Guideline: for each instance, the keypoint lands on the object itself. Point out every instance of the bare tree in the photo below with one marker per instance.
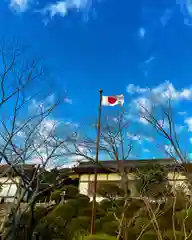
(114, 145)
(27, 130)
(162, 118)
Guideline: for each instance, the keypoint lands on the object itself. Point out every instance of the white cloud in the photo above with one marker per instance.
(71, 164)
(163, 123)
(169, 149)
(182, 113)
(143, 121)
(146, 150)
(148, 100)
(21, 134)
(166, 90)
(42, 105)
(148, 139)
(19, 5)
(61, 7)
(142, 104)
(50, 99)
(134, 137)
(47, 127)
(133, 118)
(142, 32)
(131, 88)
(179, 128)
(139, 137)
(68, 100)
(188, 121)
(186, 93)
(149, 60)
(166, 17)
(158, 95)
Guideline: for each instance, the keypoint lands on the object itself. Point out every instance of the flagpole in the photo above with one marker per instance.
(96, 164)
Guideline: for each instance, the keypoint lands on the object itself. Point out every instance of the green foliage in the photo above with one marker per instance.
(106, 224)
(110, 191)
(83, 200)
(71, 219)
(49, 177)
(169, 235)
(133, 206)
(105, 204)
(149, 235)
(140, 223)
(110, 228)
(99, 237)
(80, 223)
(70, 191)
(65, 211)
(152, 181)
(56, 196)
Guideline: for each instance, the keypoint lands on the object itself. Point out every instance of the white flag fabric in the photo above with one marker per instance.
(113, 100)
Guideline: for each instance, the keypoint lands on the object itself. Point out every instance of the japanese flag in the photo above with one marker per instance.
(113, 100)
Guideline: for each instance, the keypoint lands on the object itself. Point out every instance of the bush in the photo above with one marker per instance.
(110, 191)
(110, 228)
(70, 191)
(65, 211)
(140, 223)
(100, 237)
(56, 196)
(108, 218)
(168, 235)
(105, 204)
(80, 223)
(149, 235)
(83, 200)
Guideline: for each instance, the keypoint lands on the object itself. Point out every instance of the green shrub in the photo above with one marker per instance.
(56, 196)
(110, 228)
(71, 191)
(149, 235)
(80, 223)
(98, 225)
(40, 212)
(65, 211)
(105, 204)
(100, 237)
(107, 218)
(85, 211)
(110, 191)
(83, 200)
(184, 216)
(168, 235)
(140, 223)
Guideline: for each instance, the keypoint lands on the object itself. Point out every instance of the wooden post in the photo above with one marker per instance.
(96, 164)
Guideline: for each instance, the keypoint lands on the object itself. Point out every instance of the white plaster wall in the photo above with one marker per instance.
(175, 179)
(178, 180)
(83, 182)
(83, 188)
(8, 188)
(114, 177)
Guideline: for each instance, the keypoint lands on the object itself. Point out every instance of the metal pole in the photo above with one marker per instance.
(96, 164)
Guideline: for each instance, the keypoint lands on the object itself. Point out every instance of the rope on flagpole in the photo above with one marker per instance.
(96, 164)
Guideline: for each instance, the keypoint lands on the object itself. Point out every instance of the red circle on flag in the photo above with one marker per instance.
(112, 100)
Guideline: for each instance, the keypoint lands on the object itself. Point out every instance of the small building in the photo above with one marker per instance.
(13, 180)
(108, 172)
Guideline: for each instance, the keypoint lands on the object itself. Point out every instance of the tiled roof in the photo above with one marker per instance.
(110, 166)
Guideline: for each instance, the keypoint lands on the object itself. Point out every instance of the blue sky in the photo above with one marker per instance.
(108, 44)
